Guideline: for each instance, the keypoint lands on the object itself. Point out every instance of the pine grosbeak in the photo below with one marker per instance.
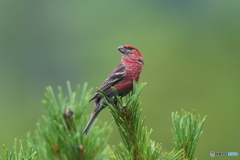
(121, 78)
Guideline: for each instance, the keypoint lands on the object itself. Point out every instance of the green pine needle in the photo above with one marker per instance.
(137, 144)
(14, 154)
(58, 135)
(187, 130)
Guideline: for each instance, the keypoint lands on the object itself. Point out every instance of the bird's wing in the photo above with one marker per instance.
(116, 75)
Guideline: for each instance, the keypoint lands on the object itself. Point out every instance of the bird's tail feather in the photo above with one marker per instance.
(97, 109)
(90, 122)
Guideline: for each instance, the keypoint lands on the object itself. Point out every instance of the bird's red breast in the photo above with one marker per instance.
(132, 73)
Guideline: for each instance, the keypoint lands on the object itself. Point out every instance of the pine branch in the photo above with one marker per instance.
(14, 154)
(135, 136)
(186, 132)
(58, 135)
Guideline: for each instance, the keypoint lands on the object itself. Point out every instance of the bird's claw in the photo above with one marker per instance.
(122, 109)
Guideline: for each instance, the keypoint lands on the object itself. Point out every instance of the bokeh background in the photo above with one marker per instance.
(191, 51)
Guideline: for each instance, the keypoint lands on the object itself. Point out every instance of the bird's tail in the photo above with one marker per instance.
(97, 109)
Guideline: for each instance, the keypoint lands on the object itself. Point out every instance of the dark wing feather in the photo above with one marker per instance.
(116, 75)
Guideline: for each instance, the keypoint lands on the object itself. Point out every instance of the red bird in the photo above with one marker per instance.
(121, 78)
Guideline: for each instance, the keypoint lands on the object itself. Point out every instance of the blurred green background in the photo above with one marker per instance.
(191, 51)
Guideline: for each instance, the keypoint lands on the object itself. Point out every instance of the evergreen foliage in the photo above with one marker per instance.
(58, 135)
(14, 154)
(137, 144)
(187, 130)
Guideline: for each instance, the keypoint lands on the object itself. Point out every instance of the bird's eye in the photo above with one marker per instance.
(130, 48)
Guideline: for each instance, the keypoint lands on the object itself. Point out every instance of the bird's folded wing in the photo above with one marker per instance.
(116, 76)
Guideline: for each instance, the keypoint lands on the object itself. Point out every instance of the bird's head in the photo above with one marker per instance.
(131, 53)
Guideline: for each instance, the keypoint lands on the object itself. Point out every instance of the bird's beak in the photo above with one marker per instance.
(121, 49)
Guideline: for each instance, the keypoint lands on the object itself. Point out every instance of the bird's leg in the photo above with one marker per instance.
(115, 104)
(120, 109)
(124, 108)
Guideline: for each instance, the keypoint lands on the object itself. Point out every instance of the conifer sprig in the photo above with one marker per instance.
(187, 130)
(21, 154)
(137, 144)
(58, 135)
